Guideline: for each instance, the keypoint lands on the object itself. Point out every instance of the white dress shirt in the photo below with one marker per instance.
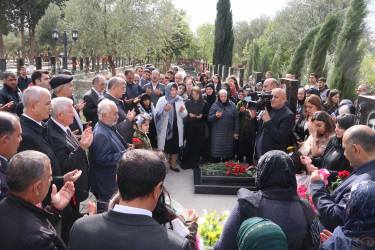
(131, 210)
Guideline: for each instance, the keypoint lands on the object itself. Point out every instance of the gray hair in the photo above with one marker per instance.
(58, 88)
(223, 91)
(7, 123)
(24, 169)
(344, 109)
(104, 106)
(115, 81)
(97, 78)
(136, 76)
(60, 105)
(367, 88)
(7, 74)
(33, 94)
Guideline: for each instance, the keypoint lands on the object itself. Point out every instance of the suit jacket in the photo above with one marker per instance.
(331, 206)
(123, 126)
(154, 97)
(70, 156)
(26, 226)
(7, 94)
(115, 230)
(3, 182)
(277, 131)
(90, 111)
(35, 137)
(105, 152)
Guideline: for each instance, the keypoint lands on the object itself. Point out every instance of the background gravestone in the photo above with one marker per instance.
(365, 113)
(291, 88)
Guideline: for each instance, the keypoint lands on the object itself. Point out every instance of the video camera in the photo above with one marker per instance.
(259, 101)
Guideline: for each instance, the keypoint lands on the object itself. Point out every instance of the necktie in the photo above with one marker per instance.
(122, 140)
(72, 137)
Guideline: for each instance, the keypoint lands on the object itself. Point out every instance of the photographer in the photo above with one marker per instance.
(274, 126)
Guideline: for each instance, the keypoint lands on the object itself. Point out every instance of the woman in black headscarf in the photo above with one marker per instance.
(209, 100)
(276, 200)
(194, 129)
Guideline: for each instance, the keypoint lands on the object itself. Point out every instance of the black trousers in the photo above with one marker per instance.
(68, 220)
(194, 132)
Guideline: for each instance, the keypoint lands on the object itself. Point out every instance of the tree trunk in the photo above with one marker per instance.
(112, 65)
(23, 40)
(32, 44)
(167, 62)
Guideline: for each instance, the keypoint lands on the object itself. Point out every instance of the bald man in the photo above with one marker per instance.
(274, 127)
(359, 149)
(270, 84)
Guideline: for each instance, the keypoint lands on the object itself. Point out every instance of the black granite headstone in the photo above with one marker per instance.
(365, 113)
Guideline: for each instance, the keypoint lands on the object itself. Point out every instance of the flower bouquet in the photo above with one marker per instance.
(342, 175)
(229, 168)
(136, 142)
(303, 192)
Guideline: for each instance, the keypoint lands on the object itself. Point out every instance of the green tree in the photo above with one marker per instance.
(224, 39)
(275, 63)
(322, 43)
(349, 50)
(367, 70)
(299, 56)
(49, 21)
(205, 41)
(256, 57)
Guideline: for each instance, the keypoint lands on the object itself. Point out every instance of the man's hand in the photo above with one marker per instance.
(137, 99)
(297, 117)
(192, 115)
(88, 125)
(75, 132)
(128, 101)
(7, 106)
(253, 113)
(130, 115)
(86, 139)
(242, 109)
(167, 108)
(325, 235)
(236, 136)
(182, 108)
(316, 176)
(218, 114)
(80, 106)
(199, 116)
(72, 176)
(149, 91)
(157, 91)
(61, 199)
(193, 215)
(266, 116)
(91, 207)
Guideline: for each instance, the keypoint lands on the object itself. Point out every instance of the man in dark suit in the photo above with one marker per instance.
(106, 150)
(116, 88)
(37, 107)
(359, 146)
(71, 154)
(10, 138)
(10, 94)
(154, 89)
(62, 86)
(274, 127)
(133, 91)
(91, 98)
(23, 81)
(130, 224)
(24, 224)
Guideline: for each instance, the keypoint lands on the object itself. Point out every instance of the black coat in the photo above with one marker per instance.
(35, 137)
(299, 128)
(7, 94)
(277, 131)
(90, 111)
(70, 157)
(107, 231)
(26, 226)
(223, 129)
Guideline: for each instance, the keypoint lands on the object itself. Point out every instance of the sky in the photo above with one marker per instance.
(204, 11)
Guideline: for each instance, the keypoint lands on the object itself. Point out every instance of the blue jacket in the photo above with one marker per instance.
(331, 206)
(105, 152)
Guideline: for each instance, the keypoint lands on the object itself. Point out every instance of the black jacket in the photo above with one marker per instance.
(70, 156)
(23, 83)
(26, 226)
(277, 131)
(90, 111)
(35, 137)
(7, 94)
(115, 230)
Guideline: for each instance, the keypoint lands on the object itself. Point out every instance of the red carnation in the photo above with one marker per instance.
(229, 172)
(341, 174)
(136, 141)
(345, 173)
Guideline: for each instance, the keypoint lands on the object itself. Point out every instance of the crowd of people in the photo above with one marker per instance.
(120, 140)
